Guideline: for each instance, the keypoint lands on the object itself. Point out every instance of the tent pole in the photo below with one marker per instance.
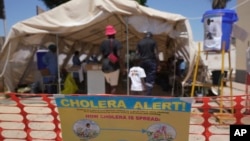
(58, 65)
(127, 42)
(5, 28)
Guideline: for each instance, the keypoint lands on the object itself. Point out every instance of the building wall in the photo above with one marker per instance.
(241, 46)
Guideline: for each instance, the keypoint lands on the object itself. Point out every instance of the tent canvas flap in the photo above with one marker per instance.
(82, 22)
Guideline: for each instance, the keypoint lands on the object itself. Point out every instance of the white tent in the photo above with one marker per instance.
(80, 24)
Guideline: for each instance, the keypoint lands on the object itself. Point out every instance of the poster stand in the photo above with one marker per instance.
(221, 115)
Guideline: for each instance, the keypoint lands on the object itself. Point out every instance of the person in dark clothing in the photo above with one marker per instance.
(93, 59)
(111, 69)
(78, 64)
(148, 53)
(51, 62)
(76, 59)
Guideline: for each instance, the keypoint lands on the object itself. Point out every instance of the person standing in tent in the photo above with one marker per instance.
(148, 53)
(93, 59)
(76, 59)
(78, 76)
(111, 60)
(51, 62)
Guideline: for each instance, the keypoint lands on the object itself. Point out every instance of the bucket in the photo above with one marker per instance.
(39, 59)
(218, 26)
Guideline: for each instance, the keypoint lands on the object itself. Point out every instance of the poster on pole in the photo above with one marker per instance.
(218, 24)
(213, 33)
(123, 118)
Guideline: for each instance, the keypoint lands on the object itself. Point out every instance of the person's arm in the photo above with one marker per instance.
(156, 53)
(121, 58)
(143, 83)
(100, 51)
(143, 76)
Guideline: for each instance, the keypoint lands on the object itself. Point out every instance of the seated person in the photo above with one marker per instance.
(92, 59)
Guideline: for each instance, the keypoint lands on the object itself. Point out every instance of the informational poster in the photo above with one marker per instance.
(212, 33)
(123, 118)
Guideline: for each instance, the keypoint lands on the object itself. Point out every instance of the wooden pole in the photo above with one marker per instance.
(127, 47)
(222, 75)
(196, 70)
(230, 81)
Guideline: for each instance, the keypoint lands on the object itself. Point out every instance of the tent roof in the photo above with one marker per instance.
(85, 20)
(80, 24)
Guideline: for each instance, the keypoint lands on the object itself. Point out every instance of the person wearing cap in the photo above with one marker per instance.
(148, 53)
(111, 69)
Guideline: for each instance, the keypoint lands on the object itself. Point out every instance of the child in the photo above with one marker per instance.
(137, 75)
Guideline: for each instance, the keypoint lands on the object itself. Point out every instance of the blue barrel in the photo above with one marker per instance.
(218, 25)
(39, 58)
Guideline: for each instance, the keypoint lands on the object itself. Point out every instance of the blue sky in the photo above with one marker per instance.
(18, 10)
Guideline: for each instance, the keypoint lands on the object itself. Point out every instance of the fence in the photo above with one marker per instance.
(26, 118)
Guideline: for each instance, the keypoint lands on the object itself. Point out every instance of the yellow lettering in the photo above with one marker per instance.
(102, 104)
(156, 105)
(74, 103)
(92, 104)
(146, 106)
(65, 103)
(84, 103)
(121, 104)
(176, 105)
(138, 105)
(183, 106)
(112, 104)
(166, 106)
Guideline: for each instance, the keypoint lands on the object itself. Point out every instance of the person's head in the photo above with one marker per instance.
(52, 48)
(77, 53)
(110, 31)
(87, 125)
(180, 58)
(148, 34)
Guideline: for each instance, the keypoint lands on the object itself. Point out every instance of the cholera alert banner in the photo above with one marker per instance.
(123, 118)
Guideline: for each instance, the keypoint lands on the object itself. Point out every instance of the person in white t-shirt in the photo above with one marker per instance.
(137, 75)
